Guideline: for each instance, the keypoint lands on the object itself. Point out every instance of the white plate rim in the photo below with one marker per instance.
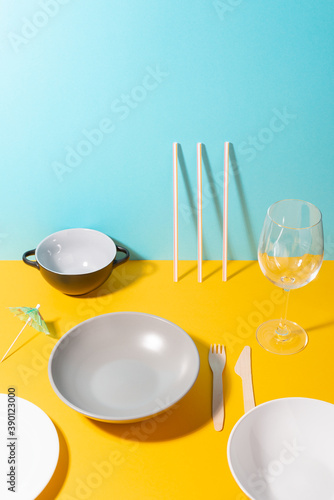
(52, 461)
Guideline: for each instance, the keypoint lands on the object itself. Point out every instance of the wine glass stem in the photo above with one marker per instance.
(282, 330)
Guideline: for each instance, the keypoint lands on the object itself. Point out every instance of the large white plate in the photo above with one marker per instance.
(36, 450)
(284, 450)
(123, 367)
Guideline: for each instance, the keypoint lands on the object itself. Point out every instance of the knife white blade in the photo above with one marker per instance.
(243, 368)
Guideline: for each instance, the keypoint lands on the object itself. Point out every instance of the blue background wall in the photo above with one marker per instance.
(147, 73)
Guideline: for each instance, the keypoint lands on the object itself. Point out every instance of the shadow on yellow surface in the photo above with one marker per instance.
(240, 270)
(121, 277)
(18, 347)
(319, 326)
(52, 327)
(231, 273)
(56, 482)
(189, 271)
(187, 416)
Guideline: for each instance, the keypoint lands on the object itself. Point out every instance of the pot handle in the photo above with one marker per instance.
(118, 262)
(32, 263)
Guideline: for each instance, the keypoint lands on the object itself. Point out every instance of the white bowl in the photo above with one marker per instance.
(284, 450)
(123, 367)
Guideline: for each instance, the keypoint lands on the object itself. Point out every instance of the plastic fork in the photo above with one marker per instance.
(217, 360)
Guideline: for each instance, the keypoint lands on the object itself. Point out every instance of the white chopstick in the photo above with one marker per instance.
(175, 199)
(199, 214)
(225, 214)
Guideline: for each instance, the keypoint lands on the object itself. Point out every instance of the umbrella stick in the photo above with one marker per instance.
(26, 323)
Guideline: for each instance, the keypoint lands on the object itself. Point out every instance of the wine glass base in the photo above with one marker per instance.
(293, 342)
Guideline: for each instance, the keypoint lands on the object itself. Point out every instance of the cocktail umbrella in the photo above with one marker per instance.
(32, 317)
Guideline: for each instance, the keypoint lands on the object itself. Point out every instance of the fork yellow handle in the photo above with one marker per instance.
(218, 401)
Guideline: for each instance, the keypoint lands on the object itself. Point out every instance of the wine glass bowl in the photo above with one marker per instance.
(290, 272)
(290, 255)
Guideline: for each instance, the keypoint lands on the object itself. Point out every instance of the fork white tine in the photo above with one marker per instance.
(217, 359)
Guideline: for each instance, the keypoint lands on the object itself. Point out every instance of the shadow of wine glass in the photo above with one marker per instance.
(319, 326)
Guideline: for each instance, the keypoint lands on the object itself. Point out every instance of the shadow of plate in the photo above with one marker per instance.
(188, 415)
(55, 484)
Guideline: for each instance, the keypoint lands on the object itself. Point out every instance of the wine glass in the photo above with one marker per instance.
(290, 254)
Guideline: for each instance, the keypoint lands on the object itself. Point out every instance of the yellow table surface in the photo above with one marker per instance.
(179, 456)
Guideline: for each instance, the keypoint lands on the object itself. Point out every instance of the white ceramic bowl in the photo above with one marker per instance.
(123, 367)
(284, 450)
